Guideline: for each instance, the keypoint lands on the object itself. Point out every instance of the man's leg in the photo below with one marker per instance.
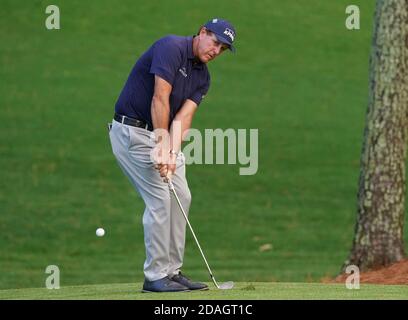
(132, 147)
(178, 222)
(178, 228)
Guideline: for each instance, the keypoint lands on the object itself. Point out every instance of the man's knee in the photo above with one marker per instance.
(184, 195)
(157, 211)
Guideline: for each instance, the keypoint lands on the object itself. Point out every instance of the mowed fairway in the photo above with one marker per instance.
(299, 76)
(242, 290)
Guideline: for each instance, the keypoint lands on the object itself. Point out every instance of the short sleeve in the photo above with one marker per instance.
(166, 60)
(200, 93)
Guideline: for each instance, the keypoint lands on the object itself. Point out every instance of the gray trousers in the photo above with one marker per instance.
(163, 222)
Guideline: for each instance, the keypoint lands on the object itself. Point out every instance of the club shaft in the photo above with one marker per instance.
(171, 186)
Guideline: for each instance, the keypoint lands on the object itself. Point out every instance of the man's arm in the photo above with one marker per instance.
(178, 131)
(160, 111)
(160, 108)
(181, 124)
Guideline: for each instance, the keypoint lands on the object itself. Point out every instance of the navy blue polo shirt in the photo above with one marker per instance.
(172, 59)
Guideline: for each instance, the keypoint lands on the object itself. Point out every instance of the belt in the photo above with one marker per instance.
(132, 122)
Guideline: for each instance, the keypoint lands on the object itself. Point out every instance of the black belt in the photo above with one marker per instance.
(132, 122)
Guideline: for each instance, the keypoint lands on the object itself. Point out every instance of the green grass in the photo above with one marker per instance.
(242, 290)
(298, 76)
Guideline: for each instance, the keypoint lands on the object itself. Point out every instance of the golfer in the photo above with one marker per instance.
(153, 112)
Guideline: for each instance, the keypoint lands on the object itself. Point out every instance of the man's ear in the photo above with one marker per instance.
(202, 31)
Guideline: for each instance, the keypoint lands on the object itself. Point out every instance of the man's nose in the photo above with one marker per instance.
(218, 49)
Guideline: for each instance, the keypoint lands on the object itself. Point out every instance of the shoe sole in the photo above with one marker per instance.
(148, 291)
(202, 289)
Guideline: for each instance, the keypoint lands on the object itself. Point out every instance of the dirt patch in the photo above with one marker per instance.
(396, 273)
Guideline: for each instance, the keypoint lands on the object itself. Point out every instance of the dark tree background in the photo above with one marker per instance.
(378, 239)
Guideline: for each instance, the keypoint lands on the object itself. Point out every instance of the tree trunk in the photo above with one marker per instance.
(379, 238)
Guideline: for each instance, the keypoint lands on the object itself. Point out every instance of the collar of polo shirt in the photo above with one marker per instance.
(190, 55)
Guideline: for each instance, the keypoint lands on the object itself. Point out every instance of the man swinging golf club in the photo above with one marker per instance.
(162, 92)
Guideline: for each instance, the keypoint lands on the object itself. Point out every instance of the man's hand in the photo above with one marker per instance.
(167, 171)
(165, 162)
(161, 155)
(171, 167)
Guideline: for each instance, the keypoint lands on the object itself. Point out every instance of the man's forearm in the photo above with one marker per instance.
(178, 131)
(160, 111)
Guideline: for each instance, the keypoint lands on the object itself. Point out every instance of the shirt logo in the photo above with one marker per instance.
(229, 33)
(183, 72)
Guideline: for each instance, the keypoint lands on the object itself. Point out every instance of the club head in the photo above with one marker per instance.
(226, 285)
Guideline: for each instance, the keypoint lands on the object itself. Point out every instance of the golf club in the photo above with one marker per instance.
(223, 286)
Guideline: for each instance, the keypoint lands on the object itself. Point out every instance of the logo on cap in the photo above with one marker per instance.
(229, 33)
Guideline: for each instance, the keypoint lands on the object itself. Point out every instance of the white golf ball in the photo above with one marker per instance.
(100, 232)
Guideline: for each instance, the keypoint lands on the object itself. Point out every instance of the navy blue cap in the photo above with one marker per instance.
(223, 30)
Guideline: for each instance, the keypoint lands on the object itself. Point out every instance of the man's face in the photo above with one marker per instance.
(209, 47)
